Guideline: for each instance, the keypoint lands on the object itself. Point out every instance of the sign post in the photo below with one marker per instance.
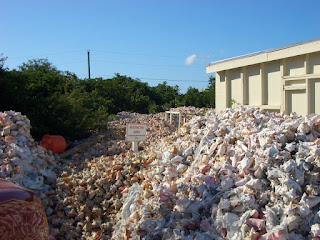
(135, 133)
(135, 146)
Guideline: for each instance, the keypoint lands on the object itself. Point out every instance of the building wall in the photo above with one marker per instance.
(253, 83)
(314, 67)
(290, 84)
(221, 97)
(235, 86)
(315, 96)
(273, 83)
(294, 101)
(295, 66)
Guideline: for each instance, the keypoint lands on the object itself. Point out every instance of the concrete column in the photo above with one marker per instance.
(283, 72)
(263, 84)
(308, 96)
(228, 89)
(308, 92)
(307, 63)
(220, 97)
(244, 86)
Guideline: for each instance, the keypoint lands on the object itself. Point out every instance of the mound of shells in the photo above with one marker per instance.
(71, 191)
(93, 186)
(237, 174)
(23, 161)
(189, 110)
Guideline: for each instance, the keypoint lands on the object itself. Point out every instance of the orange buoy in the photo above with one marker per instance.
(55, 143)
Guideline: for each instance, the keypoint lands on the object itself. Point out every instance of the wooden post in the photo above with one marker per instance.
(135, 146)
(89, 63)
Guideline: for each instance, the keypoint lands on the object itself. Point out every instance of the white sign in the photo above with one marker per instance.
(136, 132)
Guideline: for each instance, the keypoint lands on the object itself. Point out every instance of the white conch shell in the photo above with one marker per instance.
(315, 230)
(309, 202)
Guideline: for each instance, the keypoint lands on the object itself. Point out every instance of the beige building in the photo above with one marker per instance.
(282, 79)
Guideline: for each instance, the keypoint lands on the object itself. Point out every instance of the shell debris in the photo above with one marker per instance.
(243, 173)
(250, 174)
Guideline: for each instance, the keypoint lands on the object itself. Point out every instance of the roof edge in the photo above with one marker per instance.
(262, 52)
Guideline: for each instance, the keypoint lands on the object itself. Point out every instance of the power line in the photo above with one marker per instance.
(150, 78)
(140, 64)
(106, 51)
(140, 54)
(154, 55)
(70, 63)
(46, 54)
(111, 61)
(171, 80)
(130, 63)
(164, 79)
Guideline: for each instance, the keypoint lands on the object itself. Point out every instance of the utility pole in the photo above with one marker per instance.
(89, 63)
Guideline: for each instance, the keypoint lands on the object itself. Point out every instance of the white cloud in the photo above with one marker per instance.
(191, 59)
(221, 51)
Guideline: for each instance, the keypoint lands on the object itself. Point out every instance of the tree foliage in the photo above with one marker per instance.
(60, 103)
(2, 60)
(204, 98)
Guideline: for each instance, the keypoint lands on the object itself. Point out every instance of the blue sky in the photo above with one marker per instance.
(154, 41)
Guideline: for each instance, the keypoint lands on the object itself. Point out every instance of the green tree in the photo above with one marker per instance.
(210, 93)
(196, 98)
(58, 102)
(165, 96)
(193, 98)
(2, 60)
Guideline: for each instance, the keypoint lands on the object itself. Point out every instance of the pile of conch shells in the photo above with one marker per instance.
(91, 190)
(238, 174)
(190, 111)
(22, 160)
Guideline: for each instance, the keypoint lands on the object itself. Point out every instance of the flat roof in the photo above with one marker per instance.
(265, 56)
